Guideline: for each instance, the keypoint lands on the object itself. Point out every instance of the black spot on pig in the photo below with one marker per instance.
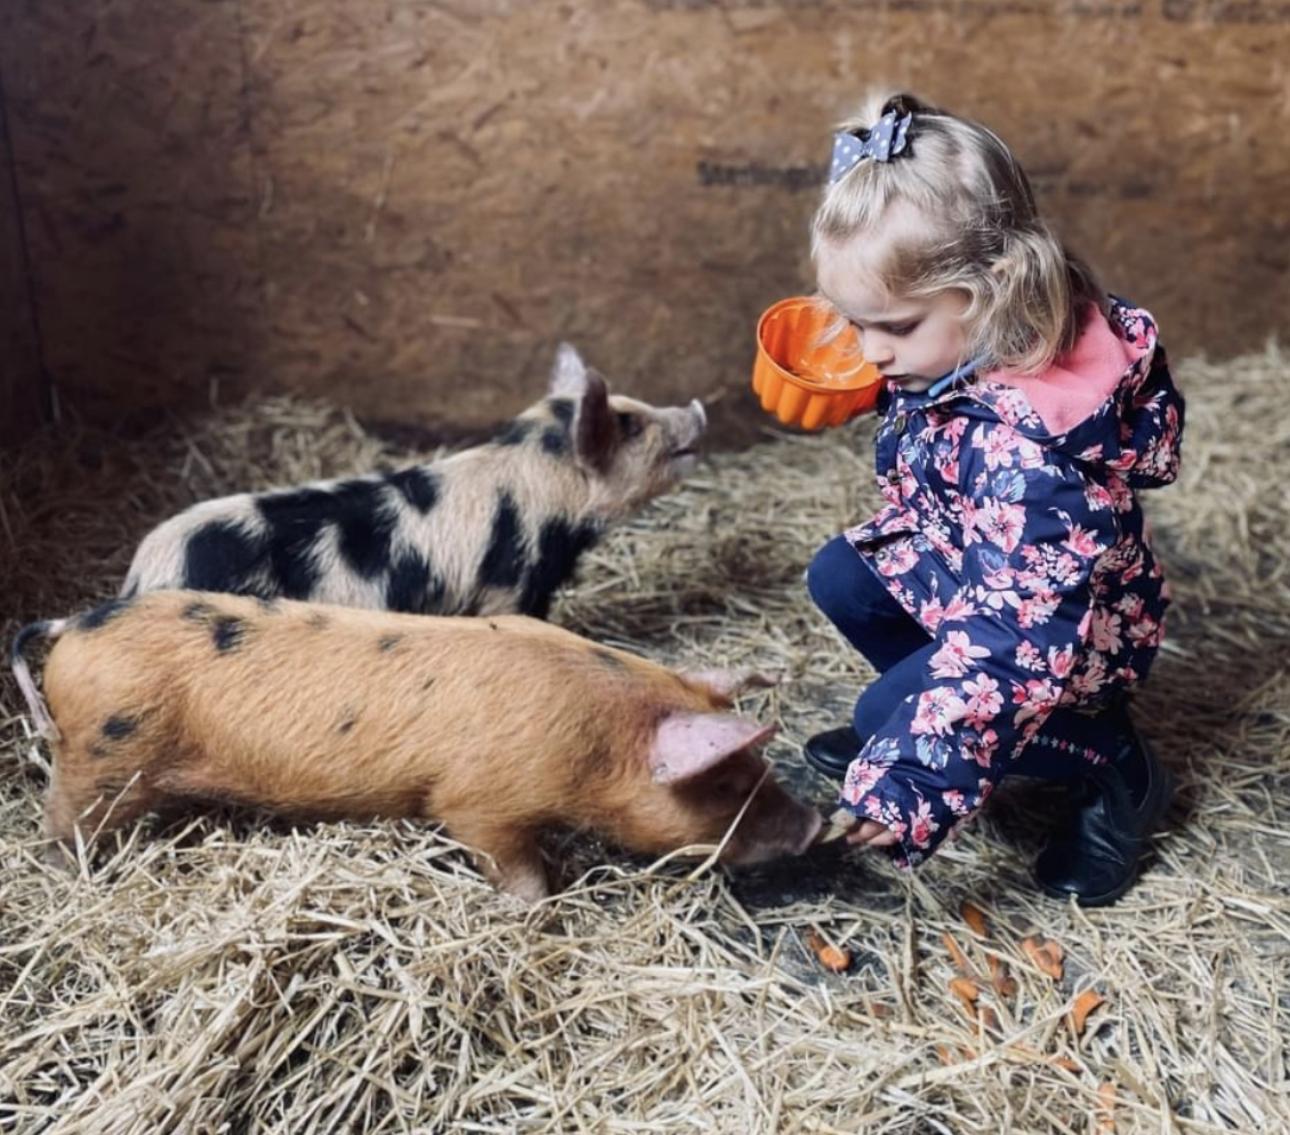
(198, 612)
(419, 487)
(561, 410)
(559, 546)
(227, 632)
(555, 441)
(366, 523)
(388, 642)
(629, 425)
(104, 613)
(294, 520)
(347, 723)
(503, 562)
(516, 432)
(412, 587)
(358, 509)
(221, 556)
(119, 726)
(98, 752)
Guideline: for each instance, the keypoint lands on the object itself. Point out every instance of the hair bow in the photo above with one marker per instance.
(884, 138)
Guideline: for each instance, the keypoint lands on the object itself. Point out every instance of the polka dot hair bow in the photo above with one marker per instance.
(885, 138)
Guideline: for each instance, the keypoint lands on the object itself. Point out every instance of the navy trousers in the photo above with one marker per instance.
(848, 591)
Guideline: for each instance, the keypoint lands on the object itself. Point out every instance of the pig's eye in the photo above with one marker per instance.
(630, 426)
(730, 786)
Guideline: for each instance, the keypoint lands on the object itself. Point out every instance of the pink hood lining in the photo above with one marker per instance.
(1070, 390)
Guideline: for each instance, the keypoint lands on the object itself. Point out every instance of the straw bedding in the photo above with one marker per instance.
(229, 973)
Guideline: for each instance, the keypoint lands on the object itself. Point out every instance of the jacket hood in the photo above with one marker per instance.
(1110, 401)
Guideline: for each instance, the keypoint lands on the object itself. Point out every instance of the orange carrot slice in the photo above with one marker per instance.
(1105, 1111)
(1004, 985)
(1085, 1003)
(957, 956)
(973, 916)
(1047, 956)
(829, 956)
(965, 989)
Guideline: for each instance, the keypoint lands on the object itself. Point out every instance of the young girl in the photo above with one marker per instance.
(1006, 592)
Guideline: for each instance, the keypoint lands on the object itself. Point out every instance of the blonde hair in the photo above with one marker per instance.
(981, 234)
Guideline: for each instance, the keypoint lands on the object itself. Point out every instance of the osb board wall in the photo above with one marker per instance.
(21, 385)
(403, 204)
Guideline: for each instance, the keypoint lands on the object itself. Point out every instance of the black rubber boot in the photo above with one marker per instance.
(832, 751)
(1096, 857)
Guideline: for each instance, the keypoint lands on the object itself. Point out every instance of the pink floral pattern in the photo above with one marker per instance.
(1025, 555)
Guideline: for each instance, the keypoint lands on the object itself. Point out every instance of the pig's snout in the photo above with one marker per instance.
(776, 826)
(813, 826)
(685, 437)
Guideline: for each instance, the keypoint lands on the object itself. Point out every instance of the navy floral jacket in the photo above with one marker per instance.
(1012, 533)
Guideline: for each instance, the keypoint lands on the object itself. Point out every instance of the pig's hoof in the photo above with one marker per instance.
(527, 890)
(59, 856)
(526, 881)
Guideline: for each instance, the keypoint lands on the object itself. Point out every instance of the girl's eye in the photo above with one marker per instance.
(899, 330)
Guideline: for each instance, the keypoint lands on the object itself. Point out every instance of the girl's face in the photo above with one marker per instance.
(912, 341)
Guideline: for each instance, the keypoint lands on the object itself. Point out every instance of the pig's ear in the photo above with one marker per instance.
(687, 744)
(569, 375)
(595, 433)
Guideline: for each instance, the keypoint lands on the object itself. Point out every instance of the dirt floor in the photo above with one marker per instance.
(232, 974)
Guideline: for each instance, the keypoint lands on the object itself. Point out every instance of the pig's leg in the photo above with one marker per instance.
(508, 857)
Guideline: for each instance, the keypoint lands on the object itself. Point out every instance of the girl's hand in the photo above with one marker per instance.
(870, 833)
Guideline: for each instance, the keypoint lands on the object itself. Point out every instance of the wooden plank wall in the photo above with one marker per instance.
(402, 205)
(21, 382)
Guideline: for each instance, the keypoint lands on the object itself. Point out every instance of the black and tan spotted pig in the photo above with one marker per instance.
(500, 727)
(492, 530)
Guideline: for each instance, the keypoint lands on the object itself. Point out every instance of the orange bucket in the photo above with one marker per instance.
(806, 383)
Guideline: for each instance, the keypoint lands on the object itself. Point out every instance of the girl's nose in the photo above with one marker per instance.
(876, 350)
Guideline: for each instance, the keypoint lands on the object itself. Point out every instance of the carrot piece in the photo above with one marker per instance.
(1047, 956)
(1085, 1003)
(973, 916)
(836, 826)
(1003, 984)
(965, 989)
(829, 956)
(1105, 1111)
(957, 956)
